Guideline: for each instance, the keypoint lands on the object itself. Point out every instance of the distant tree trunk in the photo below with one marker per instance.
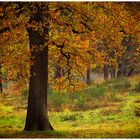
(1, 89)
(122, 68)
(121, 71)
(37, 116)
(118, 73)
(106, 73)
(112, 69)
(88, 79)
(112, 72)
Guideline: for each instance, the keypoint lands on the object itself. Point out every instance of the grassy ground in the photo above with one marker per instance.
(108, 110)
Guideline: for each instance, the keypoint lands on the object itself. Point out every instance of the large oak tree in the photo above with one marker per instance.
(74, 29)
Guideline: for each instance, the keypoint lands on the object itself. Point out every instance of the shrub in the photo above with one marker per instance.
(80, 102)
(96, 92)
(120, 84)
(68, 117)
(57, 100)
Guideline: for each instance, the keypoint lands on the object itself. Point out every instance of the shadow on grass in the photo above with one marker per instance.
(37, 134)
(85, 133)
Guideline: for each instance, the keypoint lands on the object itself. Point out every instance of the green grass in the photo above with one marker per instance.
(100, 111)
(6, 109)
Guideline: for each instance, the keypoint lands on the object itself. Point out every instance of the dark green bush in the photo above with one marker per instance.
(57, 99)
(96, 92)
(80, 101)
(120, 84)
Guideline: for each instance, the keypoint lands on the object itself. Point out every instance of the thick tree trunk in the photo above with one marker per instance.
(88, 79)
(106, 73)
(1, 88)
(37, 117)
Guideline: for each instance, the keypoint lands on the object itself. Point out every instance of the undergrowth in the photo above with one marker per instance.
(108, 110)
